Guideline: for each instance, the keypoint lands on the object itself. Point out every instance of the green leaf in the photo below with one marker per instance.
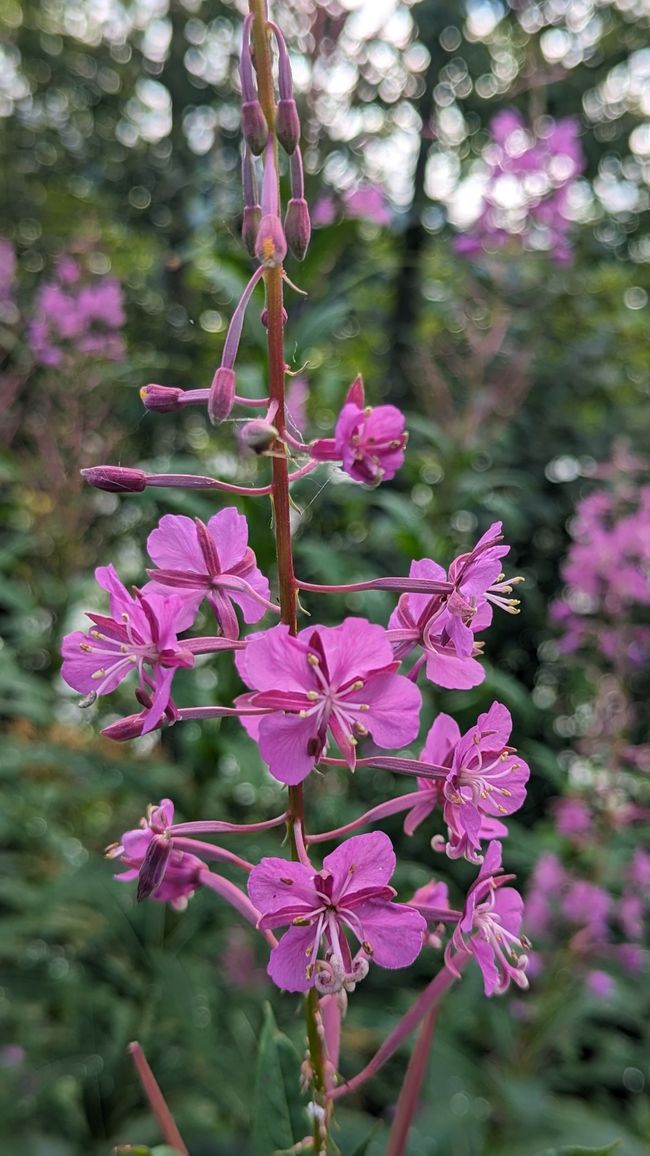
(280, 1118)
(363, 1147)
(573, 1151)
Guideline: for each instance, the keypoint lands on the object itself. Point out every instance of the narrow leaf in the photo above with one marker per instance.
(280, 1118)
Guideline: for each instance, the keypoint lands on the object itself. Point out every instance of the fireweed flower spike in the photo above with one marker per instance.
(490, 928)
(140, 634)
(313, 696)
(212, 561)
(350, 893)
(328, 680)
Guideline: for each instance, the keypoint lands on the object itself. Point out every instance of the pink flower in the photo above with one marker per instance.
(179, 872)
(368, 442)
(600, 984)
(339, 680)
(491, 928)
(573, 817)
(214, 562)
(444, 625)
(485, 781)
(367, 202)
(350, 893)
(140, 633)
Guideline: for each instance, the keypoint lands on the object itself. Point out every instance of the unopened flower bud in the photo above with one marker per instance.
(297, 227)
(258, 435)
(154, 864)
(250, 226)
(271, 245)
(222, 395)
(287, 125)
(264, 317)
(254, 127)
(125, 728)
(116, 479)
(356, 394)
(161, 398)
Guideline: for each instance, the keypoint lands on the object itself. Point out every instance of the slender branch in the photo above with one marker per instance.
(157, 1101)
(423, 1004)
(238, 900)
(412, 1086)
(381, 811)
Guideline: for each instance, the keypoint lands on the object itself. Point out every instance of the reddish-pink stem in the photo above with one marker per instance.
(210, 851)
(412, 1086)
(238, 900)
(157, 1101)
(423, 1004)
(381, 811)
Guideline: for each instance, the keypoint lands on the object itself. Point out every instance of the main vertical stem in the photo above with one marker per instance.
(281, 513)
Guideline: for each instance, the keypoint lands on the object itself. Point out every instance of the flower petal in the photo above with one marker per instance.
(360, 862)
(291, 958)
(395, 932)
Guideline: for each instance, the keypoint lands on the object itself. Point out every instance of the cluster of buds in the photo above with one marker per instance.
(325, 696)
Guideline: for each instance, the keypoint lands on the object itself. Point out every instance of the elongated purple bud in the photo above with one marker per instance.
(250, 226)
(126, 728)
(254, 127)
(222, 395)
(249, 178)
(287, 125)
(154, 865)
(161, 398)
(285, 79)
(296, 175)
(115, 479)
(271, 244)
(297, 227)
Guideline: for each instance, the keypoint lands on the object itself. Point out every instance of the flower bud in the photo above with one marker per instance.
(250, 226)
(154, 864)
(161, 398)
(222, 395)
(297, 227)
(258, 435)
(356, 394)
(116, 479)
(264, 317)
(271, 245)
(287, 125)
(254, 127)
(125, 728)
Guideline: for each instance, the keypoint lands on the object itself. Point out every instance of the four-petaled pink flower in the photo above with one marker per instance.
(350, 893)
(214, 562)
(141, 634)
(472, 780)
(337, 679)
(444, 625)
(173, 875)
(368, 441)
(490, 928)
(487, 779)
